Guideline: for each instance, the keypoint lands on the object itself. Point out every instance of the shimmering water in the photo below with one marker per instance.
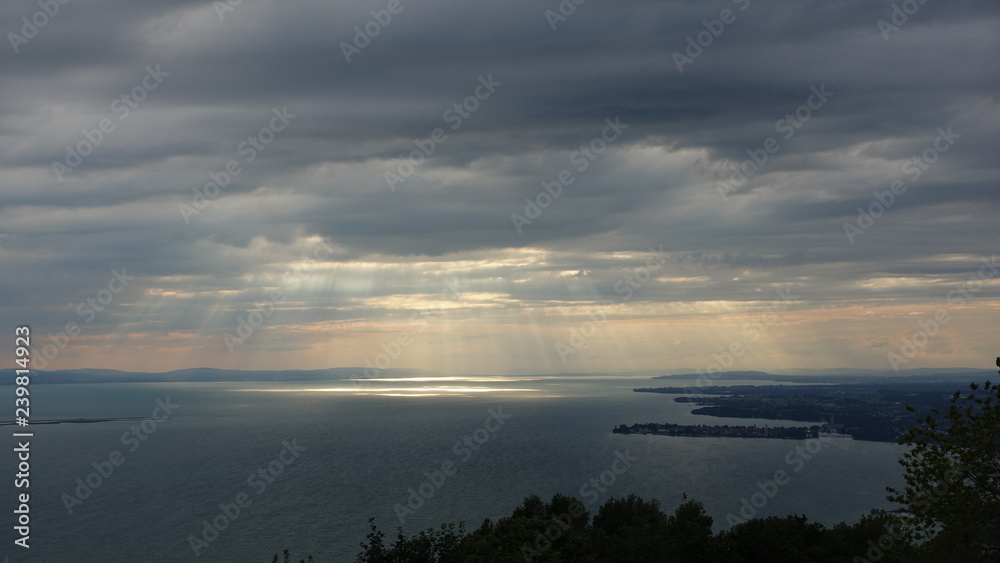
(365, 447)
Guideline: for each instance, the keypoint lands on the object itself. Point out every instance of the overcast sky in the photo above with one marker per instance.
(379, 165)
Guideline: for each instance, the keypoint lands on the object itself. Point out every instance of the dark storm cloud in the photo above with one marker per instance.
(323, 175)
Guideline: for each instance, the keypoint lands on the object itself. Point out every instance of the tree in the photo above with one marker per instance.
(288, 555)
(791, 539)
(878, 536)
(689, 533)
(630, 529)
(429, 546)
(952, 475)
(536, 531)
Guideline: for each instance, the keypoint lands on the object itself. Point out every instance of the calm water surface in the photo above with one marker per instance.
(365, 447)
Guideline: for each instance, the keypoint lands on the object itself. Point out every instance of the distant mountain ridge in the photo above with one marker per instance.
(843, 376)
(197, 375)
(194, 375)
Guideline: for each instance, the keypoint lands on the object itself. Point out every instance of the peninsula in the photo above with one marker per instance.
(726, 431)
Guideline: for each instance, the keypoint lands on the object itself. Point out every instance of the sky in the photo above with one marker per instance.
(500, 187)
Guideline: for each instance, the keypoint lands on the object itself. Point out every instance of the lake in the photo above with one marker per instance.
(310, 462)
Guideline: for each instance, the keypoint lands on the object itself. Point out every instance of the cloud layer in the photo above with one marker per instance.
(234, 160)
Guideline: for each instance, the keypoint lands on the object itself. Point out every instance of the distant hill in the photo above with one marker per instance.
(722, 375)
(845, 375)
(198, 375)
(195, 375)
